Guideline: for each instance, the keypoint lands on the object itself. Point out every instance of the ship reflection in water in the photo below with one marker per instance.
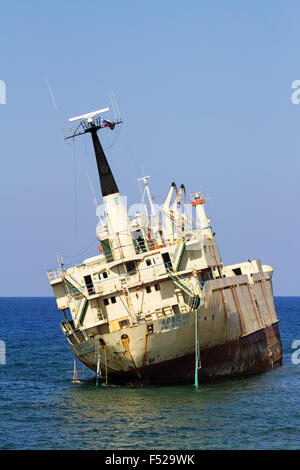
(226, 414)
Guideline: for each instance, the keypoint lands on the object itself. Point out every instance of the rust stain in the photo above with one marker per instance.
(256, 313)
(262, 288)
(248, 355)
(125, 342)
(227, 321)
(238, 309)
(145, 351)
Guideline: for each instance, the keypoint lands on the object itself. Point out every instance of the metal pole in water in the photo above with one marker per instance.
(196, 349)
(98, 369)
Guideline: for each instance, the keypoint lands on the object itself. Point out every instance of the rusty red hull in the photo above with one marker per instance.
(250, 354)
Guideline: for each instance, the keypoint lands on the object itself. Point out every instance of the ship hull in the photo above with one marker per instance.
(251, 354)
(236, 329)
(254, 353)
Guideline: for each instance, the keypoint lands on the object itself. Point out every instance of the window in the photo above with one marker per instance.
(206, 275)
(237, 271)
(124, 323)
(105, 301)
(148, 262)
(104, 275)
(167, 259)
(148, 289)
(150, 328)
(130, 267)
(157, 287)
(113, 300)
(89, 284)
(176, 309)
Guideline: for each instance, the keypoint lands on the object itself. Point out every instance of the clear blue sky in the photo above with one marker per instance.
(204, 89)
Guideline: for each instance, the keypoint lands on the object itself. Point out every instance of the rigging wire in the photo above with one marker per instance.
(82, 252)
(138, 165)
(75, 186)
(116, 131)
(55, 106)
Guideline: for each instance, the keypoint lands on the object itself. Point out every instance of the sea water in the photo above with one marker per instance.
(41, 408)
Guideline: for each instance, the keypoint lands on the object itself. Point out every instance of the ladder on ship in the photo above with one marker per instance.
(187, 287)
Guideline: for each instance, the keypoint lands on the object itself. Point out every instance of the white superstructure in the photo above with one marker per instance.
(157, 303)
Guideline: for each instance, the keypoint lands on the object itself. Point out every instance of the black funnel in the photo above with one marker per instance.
(107, 181)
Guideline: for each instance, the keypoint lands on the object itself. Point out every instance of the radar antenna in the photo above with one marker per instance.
(92, 122)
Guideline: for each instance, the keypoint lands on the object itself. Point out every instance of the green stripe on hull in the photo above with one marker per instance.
(186, 289)
(178, 256)
(72, 287)
(82, 310)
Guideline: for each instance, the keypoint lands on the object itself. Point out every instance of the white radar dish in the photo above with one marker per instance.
(89, 116)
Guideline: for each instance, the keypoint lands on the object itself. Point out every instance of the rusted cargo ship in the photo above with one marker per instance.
(157, 305)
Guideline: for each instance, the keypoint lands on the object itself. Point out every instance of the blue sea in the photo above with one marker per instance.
(40, 407)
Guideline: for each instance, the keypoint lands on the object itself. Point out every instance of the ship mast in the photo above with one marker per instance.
(89, 123)
(107, 180)
(116, 237)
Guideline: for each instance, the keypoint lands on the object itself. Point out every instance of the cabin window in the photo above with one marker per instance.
(166, 258)
(150, 328)
(148, 289)
(148, 262)
(237, 271)
(130, 267)
(104, 275)
(176, 309)
(113, 300)
(89, 284)
(157, 287)
(124, 323)
(105, 301)
(206, 275)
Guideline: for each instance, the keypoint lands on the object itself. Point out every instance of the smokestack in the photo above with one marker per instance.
(107, 181)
